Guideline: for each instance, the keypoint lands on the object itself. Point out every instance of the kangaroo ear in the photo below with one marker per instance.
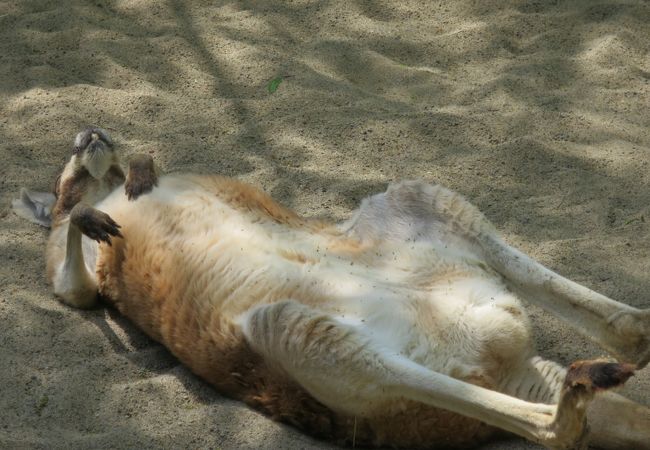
(35, 206)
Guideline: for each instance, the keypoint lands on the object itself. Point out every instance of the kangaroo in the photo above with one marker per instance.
(403, 326)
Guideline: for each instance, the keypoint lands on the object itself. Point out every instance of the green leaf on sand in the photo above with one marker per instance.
(273, 84)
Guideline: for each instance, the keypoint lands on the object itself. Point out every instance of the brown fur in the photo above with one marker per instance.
(250, 199)
(115, 176)
(131, 276)
(72, 189)
(141, 177)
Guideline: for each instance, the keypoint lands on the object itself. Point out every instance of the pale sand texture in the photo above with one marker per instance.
(537, 111)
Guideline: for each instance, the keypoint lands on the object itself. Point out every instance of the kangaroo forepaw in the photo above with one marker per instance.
(142, 177)
(95, 224)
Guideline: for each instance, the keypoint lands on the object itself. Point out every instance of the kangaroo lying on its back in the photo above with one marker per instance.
(401, 327)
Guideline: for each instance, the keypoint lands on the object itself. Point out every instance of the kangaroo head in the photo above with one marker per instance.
(91, 173)
(93, 152)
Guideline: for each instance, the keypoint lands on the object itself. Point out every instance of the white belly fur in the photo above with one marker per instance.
(450, 326)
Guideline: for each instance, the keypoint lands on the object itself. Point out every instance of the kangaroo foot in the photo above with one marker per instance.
(583, 381)
(634, 328)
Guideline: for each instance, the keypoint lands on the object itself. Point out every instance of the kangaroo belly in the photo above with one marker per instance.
(188, 255)
(191, 263)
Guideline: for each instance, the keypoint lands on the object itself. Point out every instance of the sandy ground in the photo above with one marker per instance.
(537, 111)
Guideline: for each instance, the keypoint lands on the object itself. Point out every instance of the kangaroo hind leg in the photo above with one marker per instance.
(621, 329)
(419, 211)
(616, 422)
(344, 369)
